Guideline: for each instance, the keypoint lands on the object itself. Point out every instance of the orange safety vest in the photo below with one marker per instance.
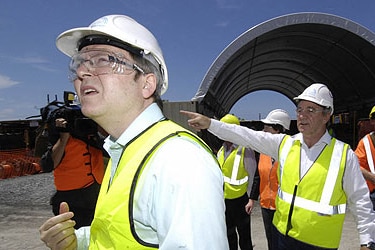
(268, 181)
(364, 158)
(80, 166)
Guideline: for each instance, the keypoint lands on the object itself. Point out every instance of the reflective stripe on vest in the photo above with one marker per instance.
(311, 208)
(370, 160)
(284, 153)
(235, 175)
(322, 206)
(236, 165)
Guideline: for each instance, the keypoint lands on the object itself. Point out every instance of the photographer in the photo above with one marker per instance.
(76, 158)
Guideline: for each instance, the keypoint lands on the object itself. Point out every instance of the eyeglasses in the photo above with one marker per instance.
(101, 62)
(308, 110)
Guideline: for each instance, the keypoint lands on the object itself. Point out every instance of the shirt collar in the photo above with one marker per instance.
(326, 138)
(148, 117)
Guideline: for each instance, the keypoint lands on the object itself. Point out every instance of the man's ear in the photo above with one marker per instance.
(327, 117)
(149, 85)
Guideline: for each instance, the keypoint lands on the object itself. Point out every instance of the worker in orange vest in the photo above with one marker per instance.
(277, 121)
(75, 155)
(365, 152)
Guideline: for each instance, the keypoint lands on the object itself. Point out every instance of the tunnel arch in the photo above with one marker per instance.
(288, 53)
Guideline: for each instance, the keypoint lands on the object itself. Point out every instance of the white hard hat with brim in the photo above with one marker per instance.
(122, 28)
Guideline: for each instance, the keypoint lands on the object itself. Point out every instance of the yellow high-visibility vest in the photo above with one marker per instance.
(113, 225)
(235, 175)
(311, 209)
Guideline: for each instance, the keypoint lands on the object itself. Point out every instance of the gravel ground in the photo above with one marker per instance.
(24, 206)
(25, 191)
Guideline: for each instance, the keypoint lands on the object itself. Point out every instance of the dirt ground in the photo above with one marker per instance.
(24, 207)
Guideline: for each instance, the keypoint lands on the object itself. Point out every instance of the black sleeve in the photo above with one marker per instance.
(254, 194)
(46, 162)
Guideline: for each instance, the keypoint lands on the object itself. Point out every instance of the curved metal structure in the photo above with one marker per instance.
(288, 53)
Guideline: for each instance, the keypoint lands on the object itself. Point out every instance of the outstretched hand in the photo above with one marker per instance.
(197, 121)
(58, 232)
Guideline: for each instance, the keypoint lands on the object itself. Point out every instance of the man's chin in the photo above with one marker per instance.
(301, 128)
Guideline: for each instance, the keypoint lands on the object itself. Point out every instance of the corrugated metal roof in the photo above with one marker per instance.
(288, 53)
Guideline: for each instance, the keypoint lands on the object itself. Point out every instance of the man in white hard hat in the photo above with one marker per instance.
(163, 187)
(365, 152)
(239, 166)
(318, 176)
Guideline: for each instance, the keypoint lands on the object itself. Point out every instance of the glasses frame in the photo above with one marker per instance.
(309, 110)
(116, 63)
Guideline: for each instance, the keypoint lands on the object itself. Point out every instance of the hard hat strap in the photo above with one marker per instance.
(99, 39)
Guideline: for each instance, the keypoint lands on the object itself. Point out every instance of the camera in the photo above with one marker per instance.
(70, 110)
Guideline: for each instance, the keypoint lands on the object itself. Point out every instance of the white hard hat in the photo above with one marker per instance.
(122, 28)
(319, 94)
(278, 116)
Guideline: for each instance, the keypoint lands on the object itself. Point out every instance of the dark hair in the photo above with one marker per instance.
(276, 127)
(149, 67)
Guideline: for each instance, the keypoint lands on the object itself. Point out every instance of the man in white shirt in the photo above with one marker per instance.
(318, 176)
(163, 187)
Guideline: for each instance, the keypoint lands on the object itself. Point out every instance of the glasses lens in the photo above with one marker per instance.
(97, 62)
(308, 110)
(100, 63)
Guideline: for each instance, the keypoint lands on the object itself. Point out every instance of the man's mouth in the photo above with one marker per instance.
(89, 91)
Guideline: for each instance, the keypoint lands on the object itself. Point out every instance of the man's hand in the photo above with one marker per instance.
(197, 121)
(61, 123)
(62, 126)
(58, 232)
(249, 206)
(368, 175)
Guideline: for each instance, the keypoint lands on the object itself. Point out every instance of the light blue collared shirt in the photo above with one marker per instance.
(149, 116)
